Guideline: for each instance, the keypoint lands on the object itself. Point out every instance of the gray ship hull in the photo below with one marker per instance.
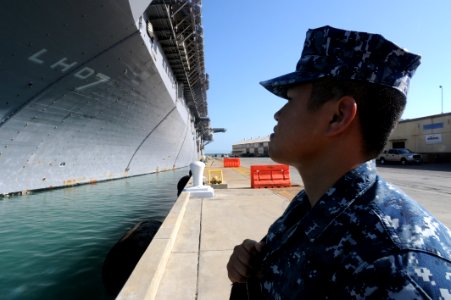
(86, 95)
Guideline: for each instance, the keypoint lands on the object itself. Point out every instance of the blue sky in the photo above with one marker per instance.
(247, 41)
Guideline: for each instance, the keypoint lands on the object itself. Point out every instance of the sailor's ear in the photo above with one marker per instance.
(342, 115)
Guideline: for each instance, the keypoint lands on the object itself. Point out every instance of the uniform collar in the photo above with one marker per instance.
(339, 197)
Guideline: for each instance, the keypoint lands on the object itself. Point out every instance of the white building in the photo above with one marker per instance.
(252, 147)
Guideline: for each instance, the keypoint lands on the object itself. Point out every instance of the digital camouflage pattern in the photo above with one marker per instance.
(363, 239)
(349, 55)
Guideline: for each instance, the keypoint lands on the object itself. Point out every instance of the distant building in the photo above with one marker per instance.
(252, 147)
(430, 136)
(218, 154)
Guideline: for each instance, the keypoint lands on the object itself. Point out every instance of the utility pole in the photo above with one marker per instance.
(441, 88)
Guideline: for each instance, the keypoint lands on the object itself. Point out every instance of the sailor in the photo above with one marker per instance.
(348, 234)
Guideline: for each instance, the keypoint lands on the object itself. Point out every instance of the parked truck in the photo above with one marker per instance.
(401, 155)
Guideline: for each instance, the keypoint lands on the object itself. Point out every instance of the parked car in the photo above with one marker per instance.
(401, 155)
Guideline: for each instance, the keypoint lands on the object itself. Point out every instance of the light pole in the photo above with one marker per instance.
(441, 88)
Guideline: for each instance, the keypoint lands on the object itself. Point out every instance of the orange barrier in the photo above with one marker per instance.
(269, 176)
(231, 162)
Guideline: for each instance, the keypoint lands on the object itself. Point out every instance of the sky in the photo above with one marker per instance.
(247, 41)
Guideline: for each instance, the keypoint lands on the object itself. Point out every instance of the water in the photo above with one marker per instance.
(52, 244)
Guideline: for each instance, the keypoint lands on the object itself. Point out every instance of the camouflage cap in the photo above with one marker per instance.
(349, 55)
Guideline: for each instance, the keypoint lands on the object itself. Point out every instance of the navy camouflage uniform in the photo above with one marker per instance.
(349, 55)
(363, 239)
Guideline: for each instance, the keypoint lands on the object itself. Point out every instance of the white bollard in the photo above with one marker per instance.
(197, 169)
(199, 189)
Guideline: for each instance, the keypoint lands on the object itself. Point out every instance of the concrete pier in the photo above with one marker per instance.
(188, 256)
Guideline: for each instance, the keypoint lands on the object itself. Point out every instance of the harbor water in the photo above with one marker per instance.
(53, 243)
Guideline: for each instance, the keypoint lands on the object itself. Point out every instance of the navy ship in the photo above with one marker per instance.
(93, 90)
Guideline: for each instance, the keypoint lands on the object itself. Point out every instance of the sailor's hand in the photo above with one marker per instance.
(244, 261)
